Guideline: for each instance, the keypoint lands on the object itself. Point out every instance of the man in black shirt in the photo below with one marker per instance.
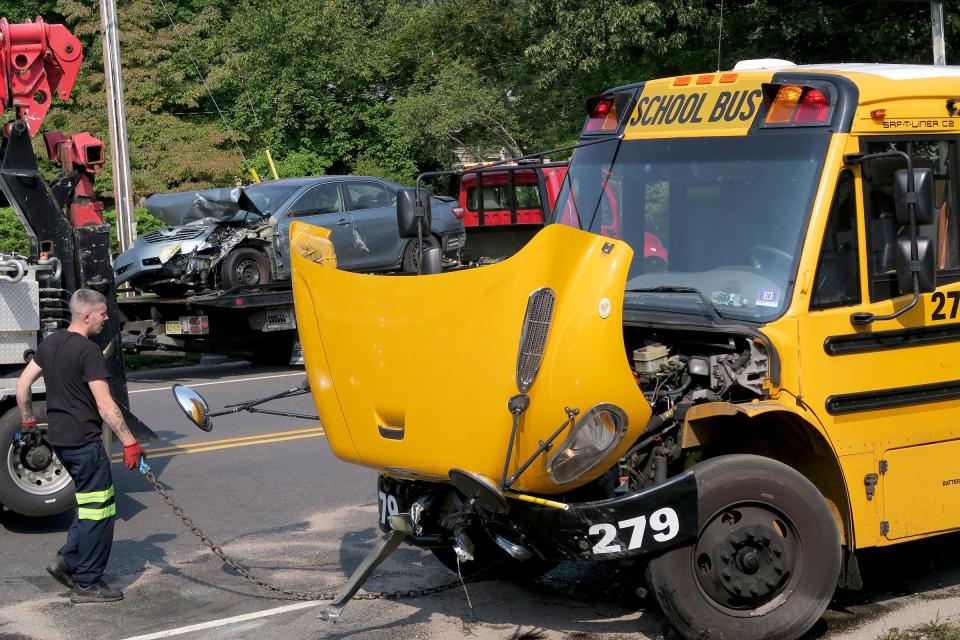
(78, 402)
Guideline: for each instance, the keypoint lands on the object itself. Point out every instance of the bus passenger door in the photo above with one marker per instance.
(889, 389)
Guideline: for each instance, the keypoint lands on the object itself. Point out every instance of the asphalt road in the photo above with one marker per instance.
(270, 491)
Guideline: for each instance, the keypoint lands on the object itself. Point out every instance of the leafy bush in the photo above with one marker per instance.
(13, 239)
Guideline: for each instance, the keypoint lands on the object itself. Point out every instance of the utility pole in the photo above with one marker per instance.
(936, 26)
(119, 152)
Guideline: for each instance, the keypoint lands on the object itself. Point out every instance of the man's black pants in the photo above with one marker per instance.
(91, 535)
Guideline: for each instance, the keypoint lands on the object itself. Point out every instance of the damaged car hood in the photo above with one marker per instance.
(184, 207)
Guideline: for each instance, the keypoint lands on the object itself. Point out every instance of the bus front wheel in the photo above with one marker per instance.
(766, 560)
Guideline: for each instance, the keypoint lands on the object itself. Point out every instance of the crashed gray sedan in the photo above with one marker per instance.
(225, 238)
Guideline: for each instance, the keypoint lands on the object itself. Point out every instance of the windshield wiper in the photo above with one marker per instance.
(708, 305)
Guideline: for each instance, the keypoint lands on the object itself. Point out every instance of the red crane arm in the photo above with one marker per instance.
(37, 60)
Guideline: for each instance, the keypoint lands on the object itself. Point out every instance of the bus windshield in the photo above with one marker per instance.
(715, 221)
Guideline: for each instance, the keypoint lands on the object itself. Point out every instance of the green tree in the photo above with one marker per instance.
(393, 87)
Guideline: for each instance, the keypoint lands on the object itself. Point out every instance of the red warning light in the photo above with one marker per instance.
(814, 107)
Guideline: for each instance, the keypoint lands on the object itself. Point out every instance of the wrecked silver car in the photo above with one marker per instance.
(225, 238)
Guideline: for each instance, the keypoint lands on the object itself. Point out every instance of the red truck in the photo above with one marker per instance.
(511, 195)
(503, 207)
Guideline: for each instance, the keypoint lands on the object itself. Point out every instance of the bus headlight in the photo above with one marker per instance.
(588, 443)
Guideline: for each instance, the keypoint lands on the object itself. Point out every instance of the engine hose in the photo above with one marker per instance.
(651, 430)
(742, 360)
(684, 385)
(659, 465)
(656, 423)
(646, 441)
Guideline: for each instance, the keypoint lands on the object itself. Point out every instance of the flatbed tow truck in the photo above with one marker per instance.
(69, 249)
(255, 322)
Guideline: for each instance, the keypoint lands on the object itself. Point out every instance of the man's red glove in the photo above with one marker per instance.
(132, 454)
(28, 428)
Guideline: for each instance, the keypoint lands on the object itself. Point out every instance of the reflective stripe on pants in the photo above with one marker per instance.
(94, 496)
(96, 514)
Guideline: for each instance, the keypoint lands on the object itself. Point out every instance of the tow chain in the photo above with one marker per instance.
(218, 551)
(200, 297)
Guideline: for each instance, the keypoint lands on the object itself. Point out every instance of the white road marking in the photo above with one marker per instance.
(206, 384)
(224, 621)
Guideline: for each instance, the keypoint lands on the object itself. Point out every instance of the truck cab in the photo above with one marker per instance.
(510, 195)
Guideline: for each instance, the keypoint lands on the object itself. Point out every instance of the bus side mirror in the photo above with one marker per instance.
(410, 215)
(193, 406)
(926, 263)
(923, 187)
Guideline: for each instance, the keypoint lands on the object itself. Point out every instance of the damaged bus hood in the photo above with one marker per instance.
(189, 206)
(412, 375)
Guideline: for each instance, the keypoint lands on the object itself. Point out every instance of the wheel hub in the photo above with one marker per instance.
(745, 557)
(248, 272)
(36, 457)
(35, 469)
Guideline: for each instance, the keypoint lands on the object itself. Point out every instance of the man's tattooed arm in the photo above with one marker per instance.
(114, 417)
(26, 409)
(110, 412)
(24, 392)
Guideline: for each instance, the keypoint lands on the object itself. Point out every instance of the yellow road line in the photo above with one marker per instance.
(176, 451)
(207, 443)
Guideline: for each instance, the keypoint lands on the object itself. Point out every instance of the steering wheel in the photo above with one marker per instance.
(754, 255)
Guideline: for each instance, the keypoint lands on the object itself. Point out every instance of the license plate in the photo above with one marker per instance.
(172, 327)
(280, 319)
(168, 253)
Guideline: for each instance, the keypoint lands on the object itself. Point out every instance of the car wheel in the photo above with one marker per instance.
(244, 267)
(766, 560)
(33, 482)
(411, 255)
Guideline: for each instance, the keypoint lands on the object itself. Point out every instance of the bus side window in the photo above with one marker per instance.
(837, 283)
(882, 229)
(947, 217)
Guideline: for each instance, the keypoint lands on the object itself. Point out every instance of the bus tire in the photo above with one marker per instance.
(18, 493)
(766, 560)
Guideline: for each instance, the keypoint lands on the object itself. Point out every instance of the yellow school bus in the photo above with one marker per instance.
(733, 355)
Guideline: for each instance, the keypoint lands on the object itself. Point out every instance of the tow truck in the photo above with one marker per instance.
(69, 249)
(256, 322)
(502, 205)
(739, 417)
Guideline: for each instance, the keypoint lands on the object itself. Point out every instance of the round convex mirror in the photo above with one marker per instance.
(194, 406)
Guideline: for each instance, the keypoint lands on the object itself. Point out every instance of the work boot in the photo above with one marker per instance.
(61, 572)
(97, 592)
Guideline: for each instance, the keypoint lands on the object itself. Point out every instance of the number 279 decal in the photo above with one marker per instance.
(664, 522)
(388, 506)
(939, 299)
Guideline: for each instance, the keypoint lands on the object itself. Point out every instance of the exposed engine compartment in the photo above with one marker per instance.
(677, 369)
(198, 268)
